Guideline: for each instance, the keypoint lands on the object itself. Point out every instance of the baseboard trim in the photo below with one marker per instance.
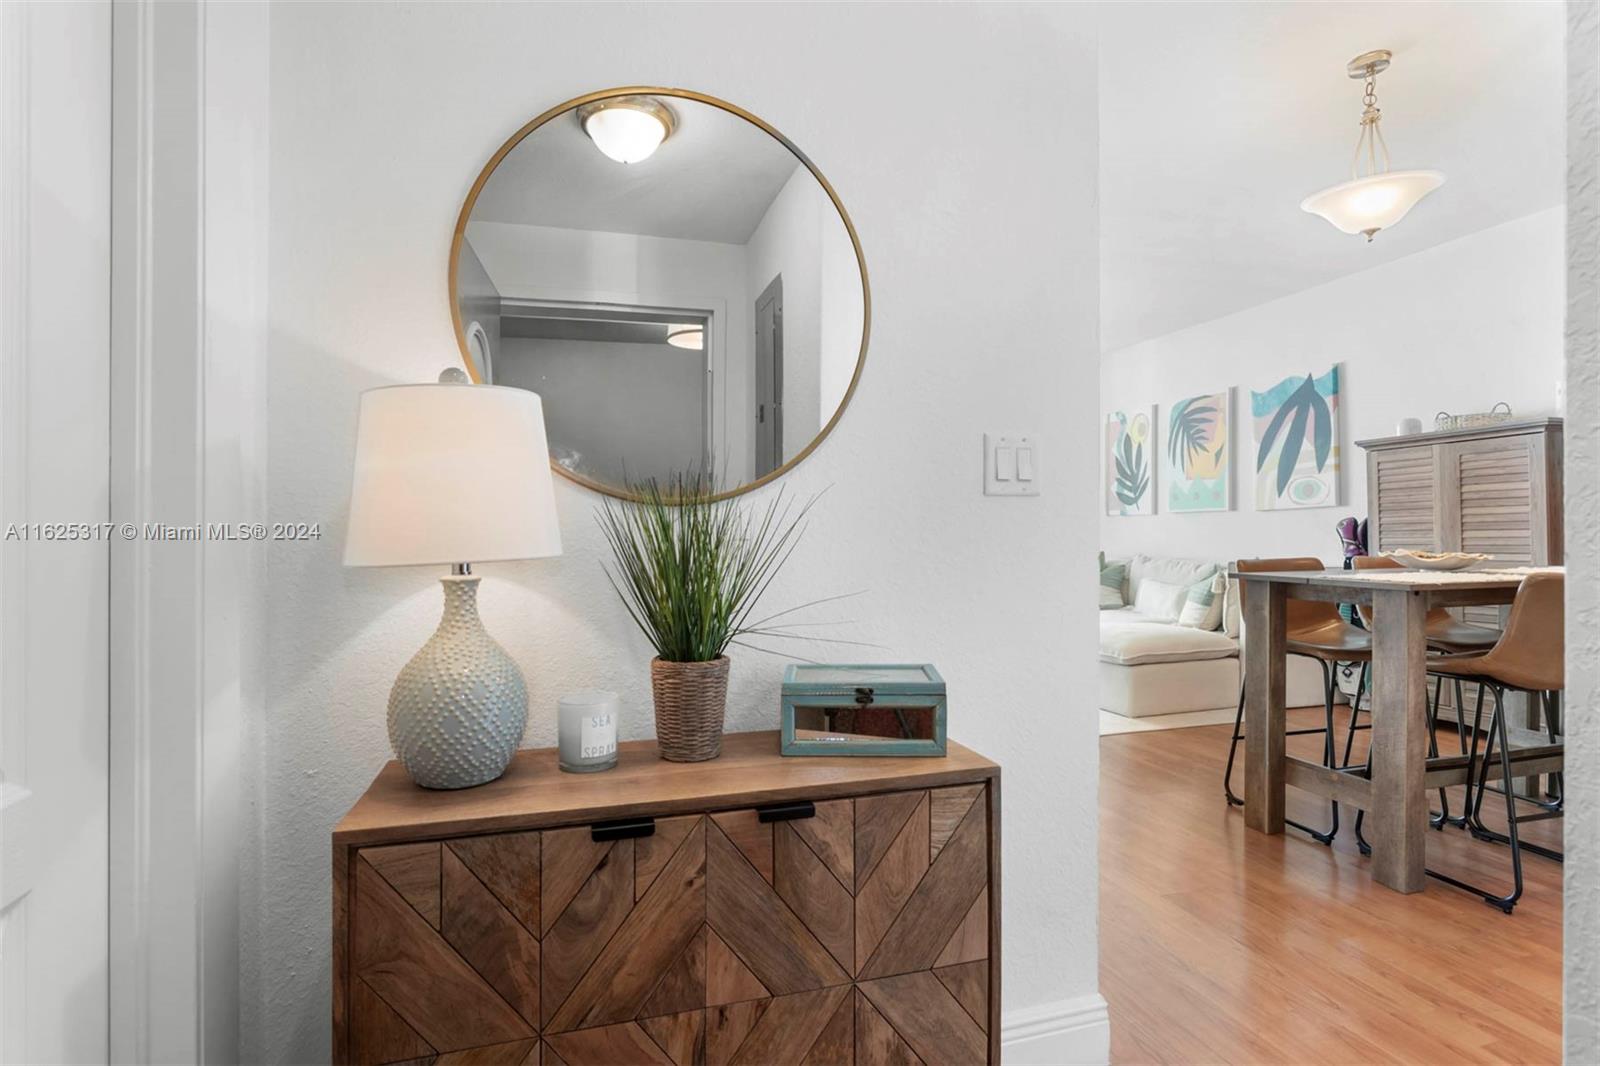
(1074, 1031)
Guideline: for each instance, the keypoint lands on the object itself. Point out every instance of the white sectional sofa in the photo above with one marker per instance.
(1150, 666)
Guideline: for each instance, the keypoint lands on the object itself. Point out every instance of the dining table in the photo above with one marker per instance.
(1394, 794)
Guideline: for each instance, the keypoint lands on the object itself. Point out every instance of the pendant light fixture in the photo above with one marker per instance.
(1380, 197)
(691, 335)
(627, 128)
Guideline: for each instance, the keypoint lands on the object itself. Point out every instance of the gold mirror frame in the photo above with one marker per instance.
(684, 94)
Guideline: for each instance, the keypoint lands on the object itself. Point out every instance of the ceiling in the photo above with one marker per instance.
(712, 180)
(1217, 119)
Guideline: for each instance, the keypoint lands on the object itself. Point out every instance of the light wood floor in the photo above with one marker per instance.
(1221, 945)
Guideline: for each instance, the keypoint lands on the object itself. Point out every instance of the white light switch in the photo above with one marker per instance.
(1010, 465)
(1005, 464)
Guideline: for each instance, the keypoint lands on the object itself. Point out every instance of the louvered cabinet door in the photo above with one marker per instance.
(1495, 493)
(859, 934)
(1404, 500)
(444, 951)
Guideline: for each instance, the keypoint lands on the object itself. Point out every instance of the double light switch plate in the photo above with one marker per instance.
(1010, 465)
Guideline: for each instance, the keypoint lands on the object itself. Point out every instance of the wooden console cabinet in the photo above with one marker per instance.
(1495, 490)
(753, 909)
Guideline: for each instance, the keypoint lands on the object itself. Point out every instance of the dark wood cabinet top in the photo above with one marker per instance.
(534, 793)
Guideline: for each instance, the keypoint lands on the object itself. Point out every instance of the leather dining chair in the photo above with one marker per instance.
(1315, 631)
(1529, 657)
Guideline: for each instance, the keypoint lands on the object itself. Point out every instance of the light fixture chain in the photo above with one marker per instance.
(1371, 140)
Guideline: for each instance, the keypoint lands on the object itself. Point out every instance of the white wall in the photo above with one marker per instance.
(1456, 328)
(788, 243)
(380, 126)
(803, 238)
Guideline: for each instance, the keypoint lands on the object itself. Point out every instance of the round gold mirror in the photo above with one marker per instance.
(676, 280)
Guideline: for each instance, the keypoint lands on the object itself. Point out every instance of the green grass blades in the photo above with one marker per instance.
(690, 568)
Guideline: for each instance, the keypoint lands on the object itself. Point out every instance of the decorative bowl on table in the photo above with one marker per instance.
(1423, 560)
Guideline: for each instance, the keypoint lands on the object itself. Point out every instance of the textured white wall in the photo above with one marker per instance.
(1457, 327)
(1581, 934)
(978, 218)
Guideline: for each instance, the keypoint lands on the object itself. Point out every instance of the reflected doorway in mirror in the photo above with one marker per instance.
(566, 263)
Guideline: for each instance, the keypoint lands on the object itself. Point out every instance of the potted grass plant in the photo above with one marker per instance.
(690, 569)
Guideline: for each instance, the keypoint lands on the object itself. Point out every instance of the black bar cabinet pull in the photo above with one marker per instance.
(623, 829)
(786, 812)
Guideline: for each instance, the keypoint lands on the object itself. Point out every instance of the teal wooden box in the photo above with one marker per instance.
(863, 709)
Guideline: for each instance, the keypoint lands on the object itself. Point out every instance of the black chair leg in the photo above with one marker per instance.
(1442, 818)
(1355, 712)
(1497, 730)
(1233, 747)
(1462, 745)
(1552, 726)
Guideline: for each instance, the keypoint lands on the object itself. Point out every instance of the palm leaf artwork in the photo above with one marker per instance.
(1133, 472)
(691, 568)
(1304, 407)
(1189, 432)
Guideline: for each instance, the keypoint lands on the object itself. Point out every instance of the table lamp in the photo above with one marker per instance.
(453, 474)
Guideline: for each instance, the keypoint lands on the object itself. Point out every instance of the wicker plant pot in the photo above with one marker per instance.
(691, 699)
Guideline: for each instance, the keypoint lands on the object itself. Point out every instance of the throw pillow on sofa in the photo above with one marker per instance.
(1112, 575)
(1160, 601)
(1202, 607)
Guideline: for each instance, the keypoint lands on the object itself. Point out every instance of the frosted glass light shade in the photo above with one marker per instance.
(625, 134)
(450, 474)
(687, 335)
(1370, 204)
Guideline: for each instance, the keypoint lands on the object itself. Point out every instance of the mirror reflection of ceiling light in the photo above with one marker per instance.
(1381, 197)
(687, 335)
(627, 128)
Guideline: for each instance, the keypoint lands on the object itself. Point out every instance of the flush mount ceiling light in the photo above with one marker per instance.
(1381, 197)
(627, 128)
(687, 335)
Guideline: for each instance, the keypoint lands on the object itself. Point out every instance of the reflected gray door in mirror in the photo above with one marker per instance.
(701, 307)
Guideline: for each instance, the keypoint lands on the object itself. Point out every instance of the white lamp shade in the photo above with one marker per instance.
(625, 134)
(690, 335)
(1370, 204)
(450, 474)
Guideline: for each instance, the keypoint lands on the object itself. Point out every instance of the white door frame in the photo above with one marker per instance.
(187, 423)
(55, 99)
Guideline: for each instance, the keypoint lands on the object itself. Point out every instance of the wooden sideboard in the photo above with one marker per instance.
(1495, 490)
(753, 909)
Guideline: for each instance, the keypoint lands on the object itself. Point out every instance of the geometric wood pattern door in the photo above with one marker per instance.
(858, 935)
(443, 961)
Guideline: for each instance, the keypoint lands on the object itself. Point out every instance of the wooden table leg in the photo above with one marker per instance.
(1263, 706)
(1399, 814)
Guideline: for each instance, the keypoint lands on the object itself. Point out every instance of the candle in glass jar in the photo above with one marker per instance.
(588, 731)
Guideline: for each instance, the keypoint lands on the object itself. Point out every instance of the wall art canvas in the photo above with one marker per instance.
(1297, 442)
(1196, 457)
(1130, 462)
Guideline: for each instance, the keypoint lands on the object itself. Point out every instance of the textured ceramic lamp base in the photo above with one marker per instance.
(457, 710)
